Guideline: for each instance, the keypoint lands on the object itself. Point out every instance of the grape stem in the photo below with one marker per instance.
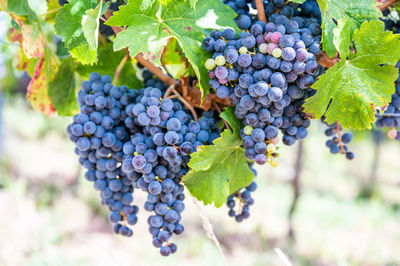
(261, 11)
(119, 68)
(386, 4)
(219, 111)
(169, 91)
(339, 133)
(172, 89)
(147, 64)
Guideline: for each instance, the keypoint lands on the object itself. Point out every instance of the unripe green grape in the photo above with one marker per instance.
(220, 60)
(263, 48)
(210, 64)
(274, 162)
(243, 50)
(277, 52)
(248, 130)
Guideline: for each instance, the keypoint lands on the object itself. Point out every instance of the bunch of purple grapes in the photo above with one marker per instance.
(99, 133)
(339, 140)
(136, 139)
(267, 73)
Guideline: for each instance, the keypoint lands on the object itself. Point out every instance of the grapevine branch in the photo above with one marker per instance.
(261, 11)
(155, 70)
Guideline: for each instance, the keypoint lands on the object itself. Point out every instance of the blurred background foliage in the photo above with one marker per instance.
(347, 212)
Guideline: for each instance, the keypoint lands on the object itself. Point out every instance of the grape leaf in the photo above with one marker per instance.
(33, 42)
(229, 116)
(62, 89)
(150, 27)
(37, 91)
(68, 24)
(298, 1)
(334, 10)
(173, 60)
(218, 170)
(354, 87)
(106, 65)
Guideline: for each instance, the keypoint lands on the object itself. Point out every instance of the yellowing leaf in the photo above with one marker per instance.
(37, 91)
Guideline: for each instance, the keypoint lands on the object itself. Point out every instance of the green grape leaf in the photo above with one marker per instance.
(218, 170)
(353, 88)
(229, 116)
(334, 10)
(62, 89)
(173, 60)
(77, 25)
(108, 63)
(151, 25)
(343, 35)
(37, 91)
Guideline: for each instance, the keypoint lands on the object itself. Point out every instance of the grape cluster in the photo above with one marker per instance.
(267, 73)
(99, 133)
(338, 140)
(390, 118)
(156, 157)
(240, 201)
(131, 139)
